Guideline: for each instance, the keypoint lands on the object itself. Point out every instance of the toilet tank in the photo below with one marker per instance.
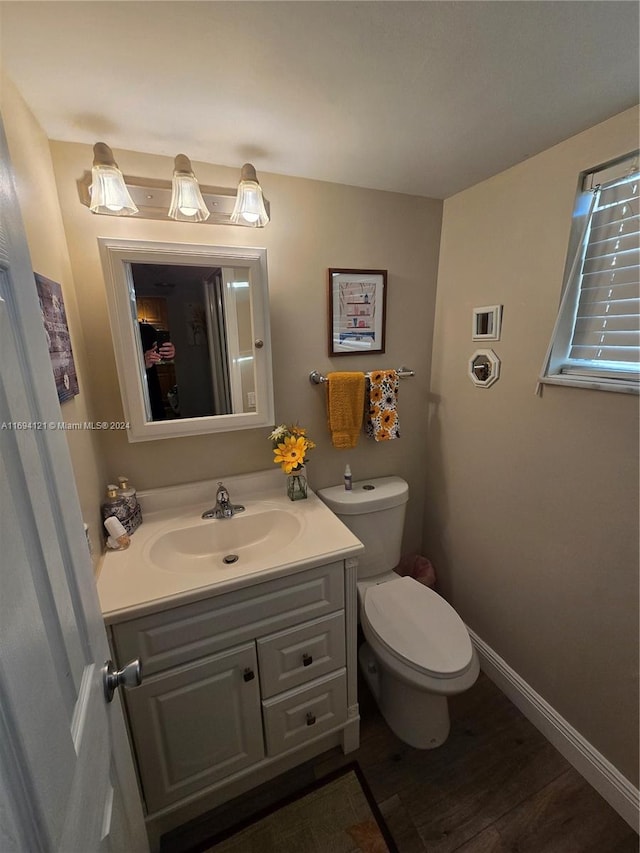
(374, 511)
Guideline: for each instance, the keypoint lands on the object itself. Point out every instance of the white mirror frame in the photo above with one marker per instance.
(117, 255)
(492, 364)
(491, 315)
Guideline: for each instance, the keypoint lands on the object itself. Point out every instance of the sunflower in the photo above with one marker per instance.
(299, 431)
(289, 454)
(290, 445)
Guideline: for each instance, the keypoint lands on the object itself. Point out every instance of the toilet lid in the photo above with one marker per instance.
(418, 626)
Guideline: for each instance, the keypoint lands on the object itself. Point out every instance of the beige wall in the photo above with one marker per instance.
(36, 188)
(314, 226)
(534, 533)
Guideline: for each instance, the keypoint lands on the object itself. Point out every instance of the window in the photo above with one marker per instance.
(596, 340)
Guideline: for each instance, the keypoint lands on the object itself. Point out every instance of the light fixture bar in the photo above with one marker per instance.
(153, 199)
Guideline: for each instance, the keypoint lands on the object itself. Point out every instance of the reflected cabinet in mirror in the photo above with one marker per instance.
(190, 327)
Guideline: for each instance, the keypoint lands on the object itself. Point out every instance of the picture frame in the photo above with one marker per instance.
(54, 319)
(487, 322)
(357, 311)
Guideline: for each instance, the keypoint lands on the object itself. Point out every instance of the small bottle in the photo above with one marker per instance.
(126, 491)
(114, 505)
(347, 478)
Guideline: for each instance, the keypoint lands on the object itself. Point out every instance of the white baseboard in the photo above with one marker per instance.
(615, 788)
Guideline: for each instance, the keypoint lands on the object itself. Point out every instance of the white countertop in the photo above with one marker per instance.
(130, 584)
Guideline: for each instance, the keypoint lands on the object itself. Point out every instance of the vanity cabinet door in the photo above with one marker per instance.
(196, 724)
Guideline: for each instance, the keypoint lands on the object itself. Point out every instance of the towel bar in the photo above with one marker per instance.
(318, 378)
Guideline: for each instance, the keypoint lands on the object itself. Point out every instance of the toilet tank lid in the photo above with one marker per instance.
(366, 496)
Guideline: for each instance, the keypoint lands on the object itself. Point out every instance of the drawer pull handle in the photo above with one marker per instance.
(307, 659)
(311, 718)
(248, 674)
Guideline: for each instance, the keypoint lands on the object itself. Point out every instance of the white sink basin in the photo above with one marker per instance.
(176, 557)
(222, 544)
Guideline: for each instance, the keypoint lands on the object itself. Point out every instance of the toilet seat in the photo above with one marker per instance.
(418, 628)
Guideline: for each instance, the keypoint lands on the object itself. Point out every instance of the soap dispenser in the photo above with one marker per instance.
(127, 492)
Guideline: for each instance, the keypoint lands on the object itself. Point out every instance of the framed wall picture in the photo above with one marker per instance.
(357, 311)
(54, 318)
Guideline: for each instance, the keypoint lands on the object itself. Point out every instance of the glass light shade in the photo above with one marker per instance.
(187, 203)
(109, 193)
(249, 201)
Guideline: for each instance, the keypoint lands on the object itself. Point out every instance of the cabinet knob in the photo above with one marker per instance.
(248, 674)
(307, 659)
(311, 718)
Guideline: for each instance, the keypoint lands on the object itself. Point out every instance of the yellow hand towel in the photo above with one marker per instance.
(345, 407)
(382, 405)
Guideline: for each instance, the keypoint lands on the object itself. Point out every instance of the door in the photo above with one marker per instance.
(66, 775)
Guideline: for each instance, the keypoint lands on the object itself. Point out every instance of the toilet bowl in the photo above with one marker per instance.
(417, 651)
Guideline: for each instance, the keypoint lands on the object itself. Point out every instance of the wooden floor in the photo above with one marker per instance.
(496, 785)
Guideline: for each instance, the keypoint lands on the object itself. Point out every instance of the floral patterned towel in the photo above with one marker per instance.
(381, 419)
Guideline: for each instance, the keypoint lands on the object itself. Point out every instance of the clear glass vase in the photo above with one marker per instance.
(297, 485)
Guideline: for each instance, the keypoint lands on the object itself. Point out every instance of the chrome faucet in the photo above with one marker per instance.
(223, 508)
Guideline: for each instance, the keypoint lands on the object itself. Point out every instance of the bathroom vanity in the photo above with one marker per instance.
(249, 666)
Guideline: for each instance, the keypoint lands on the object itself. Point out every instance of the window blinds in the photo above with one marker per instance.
(606, 332)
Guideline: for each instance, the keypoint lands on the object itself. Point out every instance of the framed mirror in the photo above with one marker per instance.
(484, 368)
(190, 328)
(486, 323)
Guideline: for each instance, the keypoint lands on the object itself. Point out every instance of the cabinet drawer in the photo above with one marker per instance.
(302, 714)
(301, 654)
(171, 637)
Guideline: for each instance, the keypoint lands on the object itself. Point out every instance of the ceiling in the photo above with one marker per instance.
(422, 97)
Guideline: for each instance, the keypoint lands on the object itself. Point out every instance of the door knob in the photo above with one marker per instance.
(129, 676)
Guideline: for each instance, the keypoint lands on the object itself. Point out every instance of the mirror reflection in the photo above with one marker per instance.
(195, 336)
(482, 367)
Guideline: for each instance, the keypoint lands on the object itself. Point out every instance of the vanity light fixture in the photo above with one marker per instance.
(187, 203)
(249, 202)
(105, 190)
(108, 191)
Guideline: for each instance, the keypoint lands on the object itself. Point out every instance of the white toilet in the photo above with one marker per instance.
(418, 650)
